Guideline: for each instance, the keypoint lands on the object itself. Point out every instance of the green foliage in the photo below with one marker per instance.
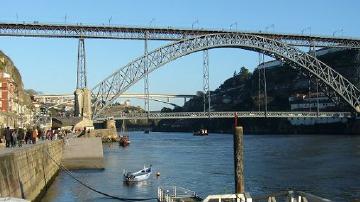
(165, 109)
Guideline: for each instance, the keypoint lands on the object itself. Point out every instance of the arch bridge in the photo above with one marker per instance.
(332, 83)
(280, 46)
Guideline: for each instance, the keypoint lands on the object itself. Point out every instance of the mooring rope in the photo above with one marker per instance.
(93, 189)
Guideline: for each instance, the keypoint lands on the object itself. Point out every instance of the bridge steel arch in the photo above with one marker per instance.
(117, 83)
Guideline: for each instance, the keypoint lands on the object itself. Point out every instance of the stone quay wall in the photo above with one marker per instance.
(27, 172)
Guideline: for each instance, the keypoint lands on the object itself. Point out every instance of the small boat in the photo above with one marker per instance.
(138, 176)
(147, 131)
(124, 140)
(123, 137)
(201, 132)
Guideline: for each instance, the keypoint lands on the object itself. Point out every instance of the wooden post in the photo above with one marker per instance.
(239, 160)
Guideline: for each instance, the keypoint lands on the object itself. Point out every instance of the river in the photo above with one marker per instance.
(327, 166)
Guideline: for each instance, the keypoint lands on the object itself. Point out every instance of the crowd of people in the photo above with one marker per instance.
(19, 136)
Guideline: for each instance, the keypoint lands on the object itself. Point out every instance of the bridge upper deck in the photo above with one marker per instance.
(159, 33)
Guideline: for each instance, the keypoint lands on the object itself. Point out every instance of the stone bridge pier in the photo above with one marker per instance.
(83, 108)
(83, 103)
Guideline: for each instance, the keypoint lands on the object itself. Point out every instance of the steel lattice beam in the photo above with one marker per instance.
(110, 88)
(206, 83)
(146, 78)
(81, 66)
(159, 33)
(242, 114)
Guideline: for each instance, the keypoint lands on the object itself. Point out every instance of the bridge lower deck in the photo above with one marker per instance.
(240, 114)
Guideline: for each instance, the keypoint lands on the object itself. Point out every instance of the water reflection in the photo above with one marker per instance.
(136, 184)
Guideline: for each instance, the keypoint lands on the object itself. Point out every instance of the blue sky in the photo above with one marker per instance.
(49, 65)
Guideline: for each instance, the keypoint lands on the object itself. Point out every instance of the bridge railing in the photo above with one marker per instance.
(175, 193)
(82, 30)
(290, 196)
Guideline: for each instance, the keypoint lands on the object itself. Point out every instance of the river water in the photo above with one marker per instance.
(327, 166)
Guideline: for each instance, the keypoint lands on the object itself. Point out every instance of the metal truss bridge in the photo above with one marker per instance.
(68, 99)
(333, 84)
(281, 46)
(36, 29)
(240, 114)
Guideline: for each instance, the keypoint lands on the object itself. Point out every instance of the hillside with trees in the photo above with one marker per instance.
(241, 92)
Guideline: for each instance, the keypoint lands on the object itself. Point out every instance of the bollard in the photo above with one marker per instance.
(239, 160)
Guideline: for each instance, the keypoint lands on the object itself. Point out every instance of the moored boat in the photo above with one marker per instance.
(123, 137)
(124, 141)
(201, 132)
(138, 176)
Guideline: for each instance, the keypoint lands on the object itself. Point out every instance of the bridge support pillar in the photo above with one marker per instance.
(83, 103)
(110, 124)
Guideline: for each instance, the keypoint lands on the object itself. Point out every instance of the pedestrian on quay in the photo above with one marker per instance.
(55, 135)
(47, 134)
(28, 136)
(52, 134)
(21, 137)
(14, 136)
(7, 136)
(34, 135)
(41, 134)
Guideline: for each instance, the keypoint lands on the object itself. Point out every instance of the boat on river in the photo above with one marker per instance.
(124, 137)
(138, 176)
(124, 140)
(201, 132)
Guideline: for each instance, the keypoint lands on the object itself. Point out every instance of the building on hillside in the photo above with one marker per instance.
(14, 113)
(313, 102)
(7, 94)
(303, 98)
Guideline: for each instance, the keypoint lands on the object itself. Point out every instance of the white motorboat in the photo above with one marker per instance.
(138, 176)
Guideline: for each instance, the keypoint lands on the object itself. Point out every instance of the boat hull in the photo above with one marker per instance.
(124, 141)
(138, 176)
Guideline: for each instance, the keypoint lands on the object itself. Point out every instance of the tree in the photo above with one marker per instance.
(244, 73)
(166, 109)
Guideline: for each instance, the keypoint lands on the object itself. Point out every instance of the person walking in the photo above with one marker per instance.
(7, 136)
(55, 135)
(14, 135)
(21, 137)
(34, 135)
(28, 136)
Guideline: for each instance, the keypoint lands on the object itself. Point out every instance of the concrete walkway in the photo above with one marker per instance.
(5, 150)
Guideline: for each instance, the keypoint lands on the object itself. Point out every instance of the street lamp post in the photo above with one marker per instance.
(236, 24)
(110, 20)
(151, 21)
(195, 22)
(270, 26)
(306, 28)
(338, 31)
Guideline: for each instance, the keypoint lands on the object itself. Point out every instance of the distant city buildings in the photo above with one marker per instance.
(313, 102)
